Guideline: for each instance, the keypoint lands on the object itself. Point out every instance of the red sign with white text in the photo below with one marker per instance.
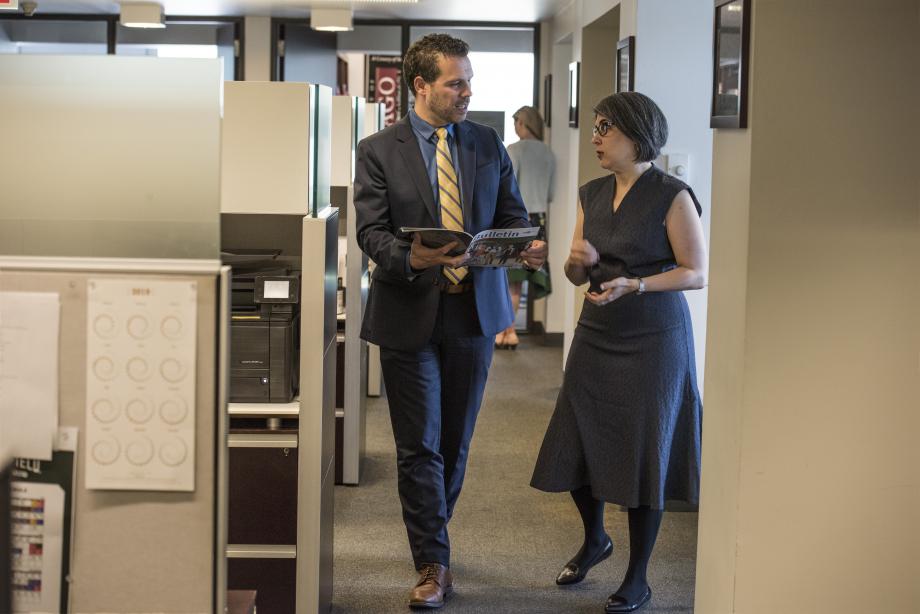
(384, 83)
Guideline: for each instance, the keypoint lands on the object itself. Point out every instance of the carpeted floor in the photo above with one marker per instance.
(508, 540)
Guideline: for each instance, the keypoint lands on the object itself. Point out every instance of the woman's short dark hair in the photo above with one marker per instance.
(422, 57)
(639, 118)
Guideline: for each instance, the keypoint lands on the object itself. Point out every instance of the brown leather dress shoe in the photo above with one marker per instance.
(435, 583)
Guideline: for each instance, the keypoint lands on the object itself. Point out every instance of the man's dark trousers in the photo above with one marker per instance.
(434, 396)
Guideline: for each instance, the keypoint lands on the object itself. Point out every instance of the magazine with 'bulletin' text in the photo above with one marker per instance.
(499, 247)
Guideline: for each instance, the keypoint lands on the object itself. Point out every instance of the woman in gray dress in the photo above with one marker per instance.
(626, 428)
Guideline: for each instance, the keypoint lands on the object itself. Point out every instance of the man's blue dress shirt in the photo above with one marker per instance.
(428, 143)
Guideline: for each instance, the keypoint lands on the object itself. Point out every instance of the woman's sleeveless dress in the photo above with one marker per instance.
(628, 417)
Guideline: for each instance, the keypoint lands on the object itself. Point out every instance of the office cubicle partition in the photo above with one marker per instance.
(109, 230)
(144, 544)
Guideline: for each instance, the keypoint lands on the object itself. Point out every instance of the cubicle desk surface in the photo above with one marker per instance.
(266, 410)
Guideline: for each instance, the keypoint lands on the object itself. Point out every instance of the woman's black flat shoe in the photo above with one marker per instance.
(573, 573)
(619, 605)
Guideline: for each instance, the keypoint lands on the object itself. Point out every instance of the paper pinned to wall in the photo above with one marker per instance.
(38, 545)
(29, 345)
(42, 526)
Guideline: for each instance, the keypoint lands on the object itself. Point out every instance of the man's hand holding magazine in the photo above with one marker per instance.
(500, 247)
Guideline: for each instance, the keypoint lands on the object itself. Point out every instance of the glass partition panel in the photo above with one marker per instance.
(110, 157)
(65, 37)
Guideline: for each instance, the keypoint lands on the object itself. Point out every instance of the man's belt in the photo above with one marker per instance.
(448, 287)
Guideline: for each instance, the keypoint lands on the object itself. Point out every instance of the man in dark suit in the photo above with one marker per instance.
(434, 320)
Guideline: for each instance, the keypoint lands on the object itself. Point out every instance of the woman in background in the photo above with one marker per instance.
(534, 169)
(626, 428)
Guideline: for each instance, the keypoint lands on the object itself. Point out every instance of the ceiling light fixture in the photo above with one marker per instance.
(331, 20)
(142, 15)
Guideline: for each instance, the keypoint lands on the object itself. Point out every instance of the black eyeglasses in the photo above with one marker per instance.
(602, 128)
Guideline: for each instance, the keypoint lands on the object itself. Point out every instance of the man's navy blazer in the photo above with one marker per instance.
(392, 190)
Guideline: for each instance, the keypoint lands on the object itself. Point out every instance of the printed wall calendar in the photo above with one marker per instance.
(140, 384)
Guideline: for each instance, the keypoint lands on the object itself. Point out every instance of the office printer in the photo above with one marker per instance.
(264, 327)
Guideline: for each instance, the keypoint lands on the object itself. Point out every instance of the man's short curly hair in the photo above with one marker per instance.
(422, 57)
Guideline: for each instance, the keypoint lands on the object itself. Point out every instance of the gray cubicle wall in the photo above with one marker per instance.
(138, 551)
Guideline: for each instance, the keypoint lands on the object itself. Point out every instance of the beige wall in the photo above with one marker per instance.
(673, 67)
(560, 303)
(810, 474)
(728, 272)
(567, 33)
(598, 51)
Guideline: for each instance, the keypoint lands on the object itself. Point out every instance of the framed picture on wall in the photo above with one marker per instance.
(547, 99)
(626, 64)
(731, 40)
(574, 69)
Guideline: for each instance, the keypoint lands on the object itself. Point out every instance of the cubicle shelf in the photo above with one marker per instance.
(266, 551)
(261, 410)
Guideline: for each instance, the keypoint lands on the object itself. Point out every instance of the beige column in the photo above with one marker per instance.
(811, 472)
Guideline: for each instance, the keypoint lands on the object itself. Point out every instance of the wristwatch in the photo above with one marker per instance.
(641, 288)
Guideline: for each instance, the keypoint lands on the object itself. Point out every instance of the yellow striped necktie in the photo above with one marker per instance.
(449, 196)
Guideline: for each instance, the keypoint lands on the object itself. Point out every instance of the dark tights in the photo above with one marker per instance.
(592, 515)
(644, 523)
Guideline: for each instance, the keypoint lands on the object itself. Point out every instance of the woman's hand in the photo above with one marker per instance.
(583, 254)
(612, 290)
